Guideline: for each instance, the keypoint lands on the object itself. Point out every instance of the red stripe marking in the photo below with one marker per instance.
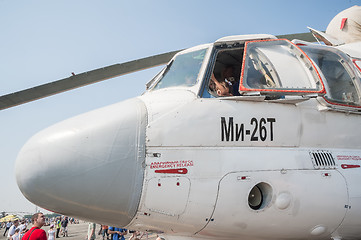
(173, 171)
(355, 61)
(346, 166)
(343, 22)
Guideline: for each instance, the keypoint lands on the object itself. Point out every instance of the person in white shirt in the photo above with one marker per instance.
(13, 228)
(22, 228)
(16, 235)
(8, 225)
(51, 233)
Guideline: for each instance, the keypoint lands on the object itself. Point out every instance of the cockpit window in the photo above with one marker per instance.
(278, 66)
(337, 71)
(182, 71)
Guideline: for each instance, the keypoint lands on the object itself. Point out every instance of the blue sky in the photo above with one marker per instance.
(43, 41)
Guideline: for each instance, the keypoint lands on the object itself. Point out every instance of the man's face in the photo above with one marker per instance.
(41, 219)
(223, 89)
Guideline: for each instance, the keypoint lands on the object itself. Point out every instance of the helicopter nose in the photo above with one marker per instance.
(89, 166)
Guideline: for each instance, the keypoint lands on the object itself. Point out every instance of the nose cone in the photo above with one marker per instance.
(89, 166)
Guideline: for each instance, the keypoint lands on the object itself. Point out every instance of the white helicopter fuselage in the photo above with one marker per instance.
(191, 167)
(276, 150)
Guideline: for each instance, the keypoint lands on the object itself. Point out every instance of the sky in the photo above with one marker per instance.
(43, 41)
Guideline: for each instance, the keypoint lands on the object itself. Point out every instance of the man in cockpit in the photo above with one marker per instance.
(221, 88)
(227, 86)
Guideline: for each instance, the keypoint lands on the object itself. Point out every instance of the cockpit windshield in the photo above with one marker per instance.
(182, 71)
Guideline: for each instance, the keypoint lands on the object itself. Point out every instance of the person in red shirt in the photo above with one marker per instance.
(36, 233)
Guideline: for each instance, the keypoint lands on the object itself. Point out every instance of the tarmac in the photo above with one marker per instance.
(78, 232)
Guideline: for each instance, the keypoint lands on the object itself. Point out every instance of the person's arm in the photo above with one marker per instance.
(123, 232)
(143, 233)
(111, 231)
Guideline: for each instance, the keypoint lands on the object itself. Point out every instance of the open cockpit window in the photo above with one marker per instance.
(339, 73)
(224, 80)
(182, 71)
(278, 67)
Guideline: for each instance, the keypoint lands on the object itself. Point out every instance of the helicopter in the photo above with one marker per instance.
(248, 137)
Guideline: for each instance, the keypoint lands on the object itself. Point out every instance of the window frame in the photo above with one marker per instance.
(244, 90)
(351, 68)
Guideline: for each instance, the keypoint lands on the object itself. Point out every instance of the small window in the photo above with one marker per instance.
(339, 74)
(182, 71)
(278, 66)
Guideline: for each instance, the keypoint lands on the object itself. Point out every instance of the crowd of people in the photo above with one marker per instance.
(30, 229)
(18, 230)
(115, 233)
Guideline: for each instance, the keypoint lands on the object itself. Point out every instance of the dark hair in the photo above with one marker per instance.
(35, 216)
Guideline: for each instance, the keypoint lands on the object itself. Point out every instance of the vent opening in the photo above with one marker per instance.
(323, 159)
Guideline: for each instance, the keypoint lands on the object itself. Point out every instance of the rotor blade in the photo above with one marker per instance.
(97, 75)
(308, 37)
(83, 79)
